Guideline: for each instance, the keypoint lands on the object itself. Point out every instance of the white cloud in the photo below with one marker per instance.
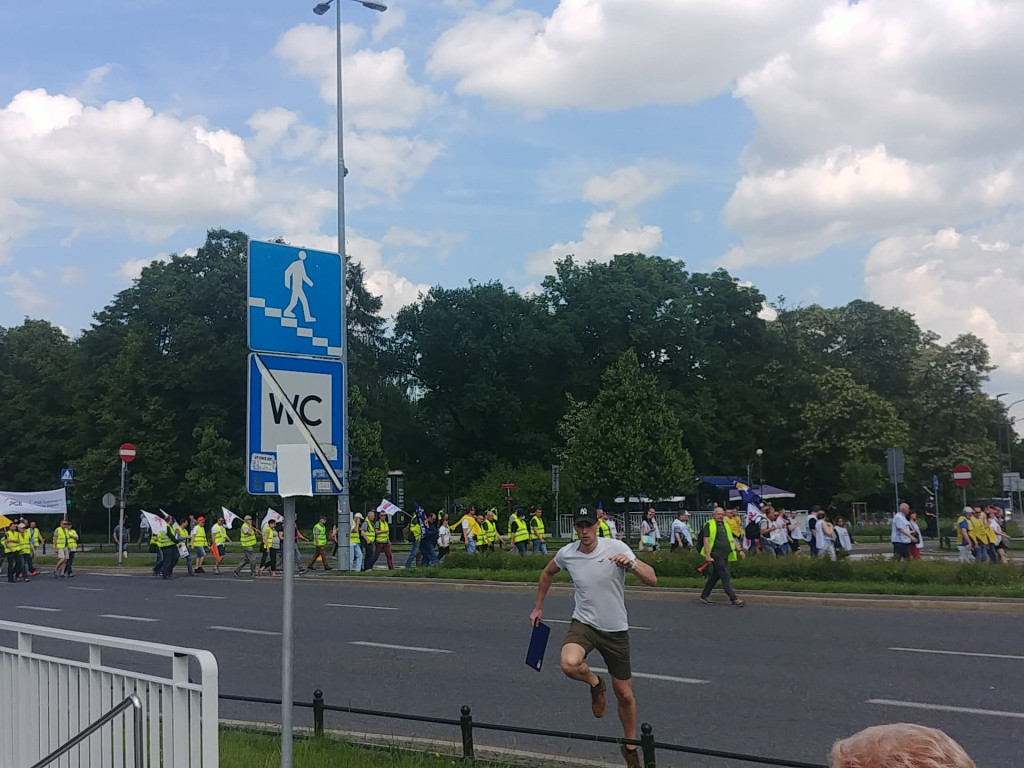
(881, 119)
(24, 292)
(72, 275)
(155, 172)
(132, 269)
(604, 235)
(627, 187)
(379, 92)
(440, 241)
(957, 282)
(612, 54)
(382, 166)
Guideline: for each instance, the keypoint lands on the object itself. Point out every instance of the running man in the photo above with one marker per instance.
(597, 567)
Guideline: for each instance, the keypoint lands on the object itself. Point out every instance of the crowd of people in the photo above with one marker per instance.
(22, 541)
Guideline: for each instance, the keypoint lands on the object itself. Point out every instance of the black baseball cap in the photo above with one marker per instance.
(585, 514)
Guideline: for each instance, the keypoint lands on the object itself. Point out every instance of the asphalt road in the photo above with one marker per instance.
(781, 681)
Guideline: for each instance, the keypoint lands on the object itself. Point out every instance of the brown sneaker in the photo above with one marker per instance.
(631, 756)
(597, 699)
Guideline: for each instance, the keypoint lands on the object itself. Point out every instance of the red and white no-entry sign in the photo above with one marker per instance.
(962, 475)
(126, 452)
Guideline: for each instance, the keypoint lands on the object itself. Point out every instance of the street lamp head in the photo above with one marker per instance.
(759, 452)
(379, 7)
(1002, 394)
(321, 8)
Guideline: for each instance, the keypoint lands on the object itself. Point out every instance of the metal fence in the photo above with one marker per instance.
(133, 703)
(664, 520)
(60, 683)
(468, 727)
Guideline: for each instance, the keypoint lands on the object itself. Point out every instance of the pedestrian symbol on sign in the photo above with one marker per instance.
(295, 278)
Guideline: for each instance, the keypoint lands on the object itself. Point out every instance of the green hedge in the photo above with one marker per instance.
(876, 570)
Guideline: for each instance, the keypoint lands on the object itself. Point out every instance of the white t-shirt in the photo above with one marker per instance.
(795, 532)
(778, 531)
(599, 583)
(611, 527)
(683, 529)
(444, 536)
(844, 538)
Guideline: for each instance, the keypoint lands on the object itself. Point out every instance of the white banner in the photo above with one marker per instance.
(229, 517)
(156, 523)
(18, 503)
(387, 508)
(277, 517)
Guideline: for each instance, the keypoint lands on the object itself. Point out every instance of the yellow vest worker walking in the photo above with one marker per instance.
(247, 540)
(382, 542)
(200, 543)
(269, 558)
(537, 535)
(320, 542)
(220, 539)
(719, 550)
(518, 533)
(72, 536)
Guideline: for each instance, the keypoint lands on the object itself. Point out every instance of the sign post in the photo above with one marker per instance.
(938, 527)
(894, 462)
(556, 478)
(962, 478)
(67, 475)
(127, 454)
(109, 502)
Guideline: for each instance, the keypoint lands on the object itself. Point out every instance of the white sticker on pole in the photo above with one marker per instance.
(294, 470)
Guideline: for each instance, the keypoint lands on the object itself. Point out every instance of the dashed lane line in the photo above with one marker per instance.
(126, 618)
(362, 607)
(416, 648)
(947, 708)
(665, 678)
(959, 653)
(39, 608)
(246, 631)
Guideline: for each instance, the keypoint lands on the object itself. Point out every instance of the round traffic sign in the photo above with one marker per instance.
(962, 475)
(126, 452)
(108, 500)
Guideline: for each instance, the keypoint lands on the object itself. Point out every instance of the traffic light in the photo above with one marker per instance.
(127, 481)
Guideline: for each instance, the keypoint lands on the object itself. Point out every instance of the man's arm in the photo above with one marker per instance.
(543, 585)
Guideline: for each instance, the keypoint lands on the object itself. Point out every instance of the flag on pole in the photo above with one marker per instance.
(157, 524)
(229, 516)
(277, 517)
(5, 521)
(387, 508)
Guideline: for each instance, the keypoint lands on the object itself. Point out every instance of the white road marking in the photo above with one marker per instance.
(368, 644)
(39, 608)
(205, 597)
(666, 678)
(947, 708)
(569, 621)
(125, 618)
(116, 575)
(87, 589)
(246, 631)
(366, 607)
(960, 653)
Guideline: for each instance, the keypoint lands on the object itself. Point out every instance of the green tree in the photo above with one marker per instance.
(626, 440)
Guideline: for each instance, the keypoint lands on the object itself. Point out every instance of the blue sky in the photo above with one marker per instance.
(821, 150)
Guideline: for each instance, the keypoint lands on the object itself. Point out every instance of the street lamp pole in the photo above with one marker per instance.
(760, 471)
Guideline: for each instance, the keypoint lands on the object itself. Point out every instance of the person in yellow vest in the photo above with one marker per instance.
(382, 542)
(978, 535)
(220, 540)
(11, 545)
(247, 540)
(72, 536)
(719, 550)
(537, 534)
(320, 543)
(159, 540)
(60, 546)
(269, 557)
(355, 544)
(604, 530)
(964, 542)
(470, 530)
(518, 532)
(416, 534)
(168, 542)
(734, 522)
(199, 543)
(24, 551)
(368, 533)
(35, 543)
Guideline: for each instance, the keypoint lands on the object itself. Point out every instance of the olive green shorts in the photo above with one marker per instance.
(613, 647)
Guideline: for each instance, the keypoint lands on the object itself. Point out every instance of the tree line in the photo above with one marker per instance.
(635, 375)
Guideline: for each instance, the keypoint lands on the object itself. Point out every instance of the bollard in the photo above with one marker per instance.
(466, 723)
(318, 712)
(647, 745)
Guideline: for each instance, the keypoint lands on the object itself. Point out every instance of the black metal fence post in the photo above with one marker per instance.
(466, 723)
(647, 745)
(318, 712)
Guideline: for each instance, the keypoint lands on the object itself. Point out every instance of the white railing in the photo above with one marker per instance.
(59, 682)
(664, 520)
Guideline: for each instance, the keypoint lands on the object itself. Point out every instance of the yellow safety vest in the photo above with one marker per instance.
(383, 531)
(488, 532)
(537, 527)
(522, 533)
(162, 539)
(9, 541)
(603, 530)
(72, 539)
(416, 531)
(219, 534)
(268, 536)
(60, 538)
(353, 533)
(320, 535)
(709, 543)
(199, 537)
(248, 536)
(25, 547)
(35, 538)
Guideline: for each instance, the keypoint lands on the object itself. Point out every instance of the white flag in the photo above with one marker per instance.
(157, 524)
(387, 508)
(229, 516)
(277, 517)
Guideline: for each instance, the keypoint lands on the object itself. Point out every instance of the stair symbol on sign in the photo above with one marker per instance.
(291, 322)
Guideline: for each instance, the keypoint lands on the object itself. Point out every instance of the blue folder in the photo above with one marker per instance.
(538, 644)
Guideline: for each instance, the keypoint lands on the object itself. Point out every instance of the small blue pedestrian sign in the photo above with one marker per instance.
(935, 483)
(294, 301)
(67, 475)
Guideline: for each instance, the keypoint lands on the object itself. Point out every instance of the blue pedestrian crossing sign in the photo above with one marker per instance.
(293, 400)
(295, 299)
(67, 475)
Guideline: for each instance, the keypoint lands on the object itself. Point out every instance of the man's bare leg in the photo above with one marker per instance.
(574, 666)
(627, 706)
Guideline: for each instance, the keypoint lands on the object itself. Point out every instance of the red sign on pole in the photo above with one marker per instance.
(126, 452)
(508, 486)
(962, 475)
